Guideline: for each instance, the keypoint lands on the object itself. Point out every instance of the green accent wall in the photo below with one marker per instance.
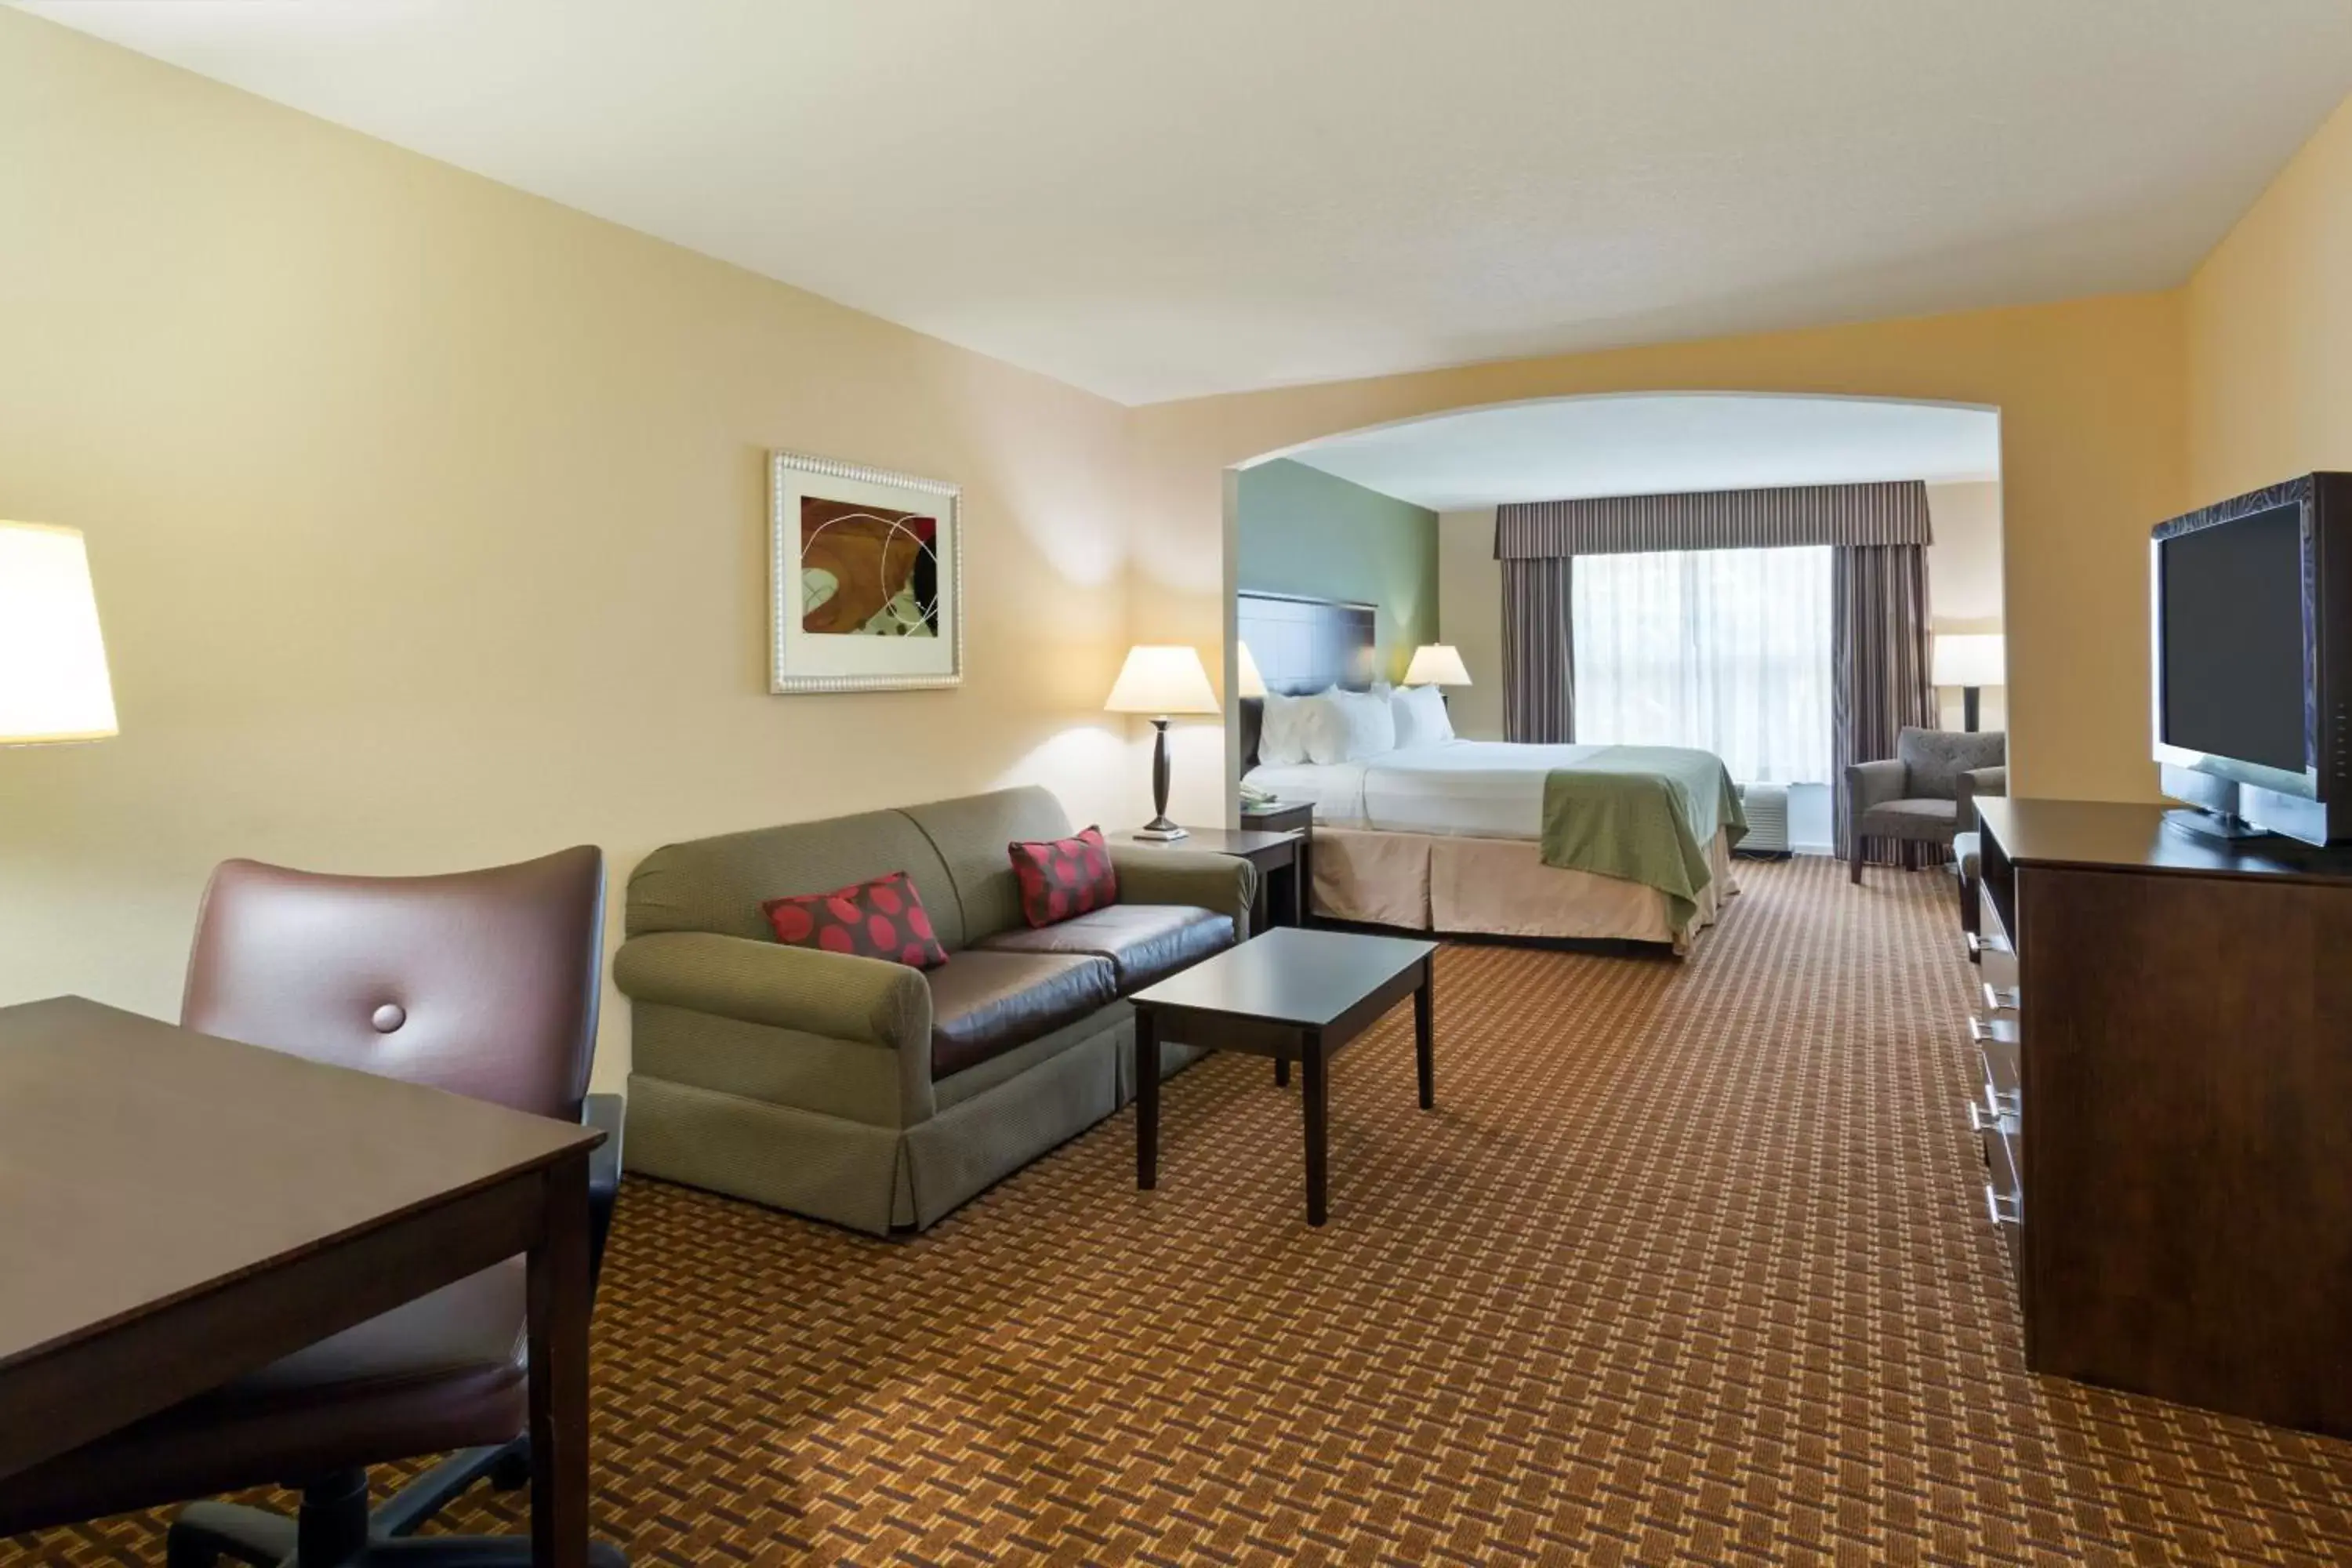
(1305, 531)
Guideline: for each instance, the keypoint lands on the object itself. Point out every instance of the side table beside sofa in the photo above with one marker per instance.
(1279, 856)
(870, 1093)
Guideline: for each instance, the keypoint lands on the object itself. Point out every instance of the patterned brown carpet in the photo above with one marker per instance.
(1689, 1266)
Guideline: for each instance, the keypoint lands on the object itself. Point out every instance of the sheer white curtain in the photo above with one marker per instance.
(1728, 650)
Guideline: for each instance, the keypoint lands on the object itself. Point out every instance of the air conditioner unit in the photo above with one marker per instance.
(1766, 806)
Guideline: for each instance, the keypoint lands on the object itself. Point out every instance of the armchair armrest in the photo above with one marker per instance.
(1875, 783)
(604, 1112)
(1202, 877)
(829, 993)
(1974, 783)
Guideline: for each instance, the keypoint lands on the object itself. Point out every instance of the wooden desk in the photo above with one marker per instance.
(177, 1210)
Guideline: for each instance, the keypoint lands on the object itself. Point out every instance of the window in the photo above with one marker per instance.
(1728, 650)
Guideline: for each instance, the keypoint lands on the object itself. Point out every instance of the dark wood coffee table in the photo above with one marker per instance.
(1288, 994)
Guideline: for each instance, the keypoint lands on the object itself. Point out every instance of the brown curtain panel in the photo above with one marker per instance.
(1539, 651)
(1878, 639)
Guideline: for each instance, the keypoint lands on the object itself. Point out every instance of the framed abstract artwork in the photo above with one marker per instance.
(865, 578)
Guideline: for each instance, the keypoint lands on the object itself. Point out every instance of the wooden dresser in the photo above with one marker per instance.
(2165, 1031)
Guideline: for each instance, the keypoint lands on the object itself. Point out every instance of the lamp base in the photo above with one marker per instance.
(1161, 828)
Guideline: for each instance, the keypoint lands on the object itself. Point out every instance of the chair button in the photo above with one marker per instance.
(388, 1017)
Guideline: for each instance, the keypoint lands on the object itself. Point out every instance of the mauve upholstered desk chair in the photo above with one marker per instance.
(483, 983)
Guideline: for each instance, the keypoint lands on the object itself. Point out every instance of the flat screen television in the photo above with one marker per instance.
(2253, 613)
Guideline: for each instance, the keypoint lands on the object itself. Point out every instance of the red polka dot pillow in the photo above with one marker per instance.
(880, 918)
(1063, 877)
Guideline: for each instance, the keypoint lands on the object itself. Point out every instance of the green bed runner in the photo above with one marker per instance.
(1646, 813)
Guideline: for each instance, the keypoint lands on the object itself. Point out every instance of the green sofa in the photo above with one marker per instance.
(868, 1093)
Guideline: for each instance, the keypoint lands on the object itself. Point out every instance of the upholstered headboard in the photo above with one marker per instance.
(1300, 646)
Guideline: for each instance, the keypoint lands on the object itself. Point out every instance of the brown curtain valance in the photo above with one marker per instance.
(1895, 513)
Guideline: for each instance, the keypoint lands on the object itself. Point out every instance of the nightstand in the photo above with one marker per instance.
(1289, 817)
(1281, 853)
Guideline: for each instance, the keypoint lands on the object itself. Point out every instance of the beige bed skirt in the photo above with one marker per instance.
(1496, 887)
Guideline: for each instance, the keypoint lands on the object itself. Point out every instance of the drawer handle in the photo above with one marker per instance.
(1993, 1113)
(1989, 1115)
(1976, 944)
(2002, 998)
(2014, 1214)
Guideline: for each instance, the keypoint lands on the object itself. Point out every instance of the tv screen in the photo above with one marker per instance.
(2232, 607)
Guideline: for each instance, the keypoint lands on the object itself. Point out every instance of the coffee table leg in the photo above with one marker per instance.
(1147, 1099)
(1318, 1127)
(1424, 1007)
(1282, 1072)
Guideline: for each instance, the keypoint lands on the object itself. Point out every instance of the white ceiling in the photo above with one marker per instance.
(1659, 444)
(1161, 200)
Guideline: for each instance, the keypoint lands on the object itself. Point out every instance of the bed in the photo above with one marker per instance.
(1445, 836)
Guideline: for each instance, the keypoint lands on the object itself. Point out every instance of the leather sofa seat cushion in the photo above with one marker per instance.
(985, 1002)
(1144, 942)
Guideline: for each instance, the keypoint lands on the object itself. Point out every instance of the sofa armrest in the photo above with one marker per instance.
(1974, 785)
(829, 993)
(1202, 877)
(1873, 784)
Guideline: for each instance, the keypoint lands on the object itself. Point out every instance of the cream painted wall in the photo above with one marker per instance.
(1964, 582)
(2093, 403)
(2270, 330)
(428, 517)
(428, 523)
(1470, 617)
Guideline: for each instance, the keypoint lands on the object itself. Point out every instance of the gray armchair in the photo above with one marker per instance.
(1926, 792)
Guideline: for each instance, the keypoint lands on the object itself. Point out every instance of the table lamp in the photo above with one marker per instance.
(1160, 681)
(1972, 661)
(1436, 664)
(53, 682)
(1247, 681)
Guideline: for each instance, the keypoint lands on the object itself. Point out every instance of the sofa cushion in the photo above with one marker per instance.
(718, 884)
(969, 835)
(882, 919)
(1063, 877)
(988, 1002)
(1929, 820)
(1144, 942)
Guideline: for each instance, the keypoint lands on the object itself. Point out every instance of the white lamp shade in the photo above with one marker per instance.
(1971, 658)
(1247, 681)
(1162, 679)
(53, 683)
(1436, 664)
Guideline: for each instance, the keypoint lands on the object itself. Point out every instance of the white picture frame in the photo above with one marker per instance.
(865, 579)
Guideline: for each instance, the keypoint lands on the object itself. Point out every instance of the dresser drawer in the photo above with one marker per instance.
(1996, 1040)
(2004, 1193)
(1998, 969)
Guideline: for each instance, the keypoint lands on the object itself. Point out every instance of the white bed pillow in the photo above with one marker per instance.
(1281, 735)
(1421, 716)
(1348, 727)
